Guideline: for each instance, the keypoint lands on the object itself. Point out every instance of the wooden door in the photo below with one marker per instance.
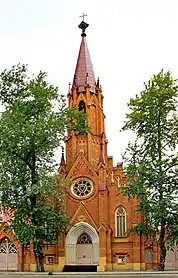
(84, 250)
(84, 254)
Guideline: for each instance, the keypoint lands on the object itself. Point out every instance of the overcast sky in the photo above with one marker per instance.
(129, 41)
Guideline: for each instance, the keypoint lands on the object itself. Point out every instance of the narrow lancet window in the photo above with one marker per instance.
(120, 222)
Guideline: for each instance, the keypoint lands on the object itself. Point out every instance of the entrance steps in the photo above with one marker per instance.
(80, 268)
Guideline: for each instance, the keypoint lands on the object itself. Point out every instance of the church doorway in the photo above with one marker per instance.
(84, 250)
(82, 246)
(8, 255)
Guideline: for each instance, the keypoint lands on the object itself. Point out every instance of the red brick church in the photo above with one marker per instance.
(98, 237)
(100, 216)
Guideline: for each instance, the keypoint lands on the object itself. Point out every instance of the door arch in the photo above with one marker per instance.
(8, 255)
(73, 240)
(84, 250)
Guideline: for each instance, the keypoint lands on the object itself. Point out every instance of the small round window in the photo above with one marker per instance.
(82, 187)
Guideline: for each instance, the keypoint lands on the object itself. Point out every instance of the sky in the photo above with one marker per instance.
(128, 40)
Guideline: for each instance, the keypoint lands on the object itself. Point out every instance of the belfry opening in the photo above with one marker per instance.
(82, 106)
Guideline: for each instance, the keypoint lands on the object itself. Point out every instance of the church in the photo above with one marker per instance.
(98, 238)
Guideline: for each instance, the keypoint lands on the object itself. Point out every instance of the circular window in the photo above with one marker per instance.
(82, 188)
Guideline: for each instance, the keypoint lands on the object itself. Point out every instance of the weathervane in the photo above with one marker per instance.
(83, 25)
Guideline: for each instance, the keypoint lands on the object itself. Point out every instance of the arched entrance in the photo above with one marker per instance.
(8, 255)
(84, 249)
(82, 245)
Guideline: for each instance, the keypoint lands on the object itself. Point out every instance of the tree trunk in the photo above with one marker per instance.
(162, 249)
(39, 262)
(23, 256)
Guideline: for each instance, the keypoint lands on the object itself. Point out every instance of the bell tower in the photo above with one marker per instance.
(86, 95)
(98, 213)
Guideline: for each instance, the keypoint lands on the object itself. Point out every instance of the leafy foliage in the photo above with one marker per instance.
(32, 127)
(152, 160)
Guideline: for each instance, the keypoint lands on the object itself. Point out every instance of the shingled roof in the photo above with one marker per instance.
(84, 73)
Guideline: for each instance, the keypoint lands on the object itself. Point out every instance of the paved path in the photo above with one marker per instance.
(97, 276)
(91, 275)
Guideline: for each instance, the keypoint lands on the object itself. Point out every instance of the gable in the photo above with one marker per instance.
(82, 215)
(94, 100)
(81, 167)
(81, 97)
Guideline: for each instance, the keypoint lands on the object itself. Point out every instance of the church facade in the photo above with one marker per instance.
(100, 217)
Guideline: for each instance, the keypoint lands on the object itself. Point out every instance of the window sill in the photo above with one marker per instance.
(120, 239)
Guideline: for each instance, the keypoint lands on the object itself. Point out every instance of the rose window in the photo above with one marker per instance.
(82, 188)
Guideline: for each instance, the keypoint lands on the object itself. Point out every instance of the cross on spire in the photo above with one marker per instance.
(83, 25)
(83, 16)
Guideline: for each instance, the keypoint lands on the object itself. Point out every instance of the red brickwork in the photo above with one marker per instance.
(86, 157)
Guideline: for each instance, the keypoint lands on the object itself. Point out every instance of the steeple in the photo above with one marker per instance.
(86, 95)
(84, 73)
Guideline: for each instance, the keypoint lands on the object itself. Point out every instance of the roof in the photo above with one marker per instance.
(84, 73)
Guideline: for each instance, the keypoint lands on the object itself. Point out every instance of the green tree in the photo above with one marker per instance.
(32, 127)
(152, 159)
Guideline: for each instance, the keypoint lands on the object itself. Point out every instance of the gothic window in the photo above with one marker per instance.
(82, 188)
(82, 106)
(118, 182)
(149, 257)
(84, 239)
(120, 222)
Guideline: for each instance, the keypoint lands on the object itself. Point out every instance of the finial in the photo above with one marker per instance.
(98, 83)
(69, 90)
(74, 82)
(101, 154)
(83, 25)
(62, 158)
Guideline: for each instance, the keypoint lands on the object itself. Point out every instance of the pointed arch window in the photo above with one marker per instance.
(120, 224)
(82, 106)
(84, 239)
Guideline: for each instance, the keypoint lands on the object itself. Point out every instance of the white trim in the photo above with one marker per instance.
(71, 242)
(116, 228)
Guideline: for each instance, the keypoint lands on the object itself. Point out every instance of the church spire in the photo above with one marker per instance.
(84, 68)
